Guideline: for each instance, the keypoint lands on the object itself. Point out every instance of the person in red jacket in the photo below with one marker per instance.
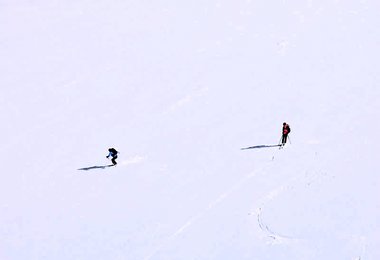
(285, 132)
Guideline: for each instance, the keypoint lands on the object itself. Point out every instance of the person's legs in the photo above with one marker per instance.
(114, 160)
(284, 137)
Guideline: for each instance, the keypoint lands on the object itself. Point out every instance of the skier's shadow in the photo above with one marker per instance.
(261, 146)
(95, 167)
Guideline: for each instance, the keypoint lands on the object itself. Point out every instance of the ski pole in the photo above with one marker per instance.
(289, 140)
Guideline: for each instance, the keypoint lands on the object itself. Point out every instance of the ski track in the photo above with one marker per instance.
(265, 199)
(270, 196)
(133, 160)
(197, 93)
(191, 221)
(277, 238)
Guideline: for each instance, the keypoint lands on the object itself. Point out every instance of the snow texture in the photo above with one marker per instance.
(179, 87)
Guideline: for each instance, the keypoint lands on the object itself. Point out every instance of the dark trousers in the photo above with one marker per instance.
(284, 137)
(113, 160)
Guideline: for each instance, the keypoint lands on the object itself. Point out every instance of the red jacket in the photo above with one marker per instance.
(285, 129)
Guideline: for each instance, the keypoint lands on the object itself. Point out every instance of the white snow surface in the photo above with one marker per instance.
(179, 87)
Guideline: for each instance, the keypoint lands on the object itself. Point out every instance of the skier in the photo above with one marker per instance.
(285, 132)
(113, 153)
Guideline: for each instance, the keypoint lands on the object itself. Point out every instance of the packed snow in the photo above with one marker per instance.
(179, 88)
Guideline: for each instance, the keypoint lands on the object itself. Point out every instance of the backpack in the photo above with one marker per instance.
(113, 151)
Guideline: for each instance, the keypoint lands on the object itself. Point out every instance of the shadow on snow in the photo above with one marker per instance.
(261, 146)
(95, 167)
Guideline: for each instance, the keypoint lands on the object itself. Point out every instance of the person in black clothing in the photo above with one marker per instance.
(285, 132)
(112, 153)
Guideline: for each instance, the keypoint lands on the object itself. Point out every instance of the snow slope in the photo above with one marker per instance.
(179, 88)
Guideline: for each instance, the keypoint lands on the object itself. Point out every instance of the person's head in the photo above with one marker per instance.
(284, 124)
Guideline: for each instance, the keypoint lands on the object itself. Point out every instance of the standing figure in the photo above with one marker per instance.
(285, 132)
(113, 153)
